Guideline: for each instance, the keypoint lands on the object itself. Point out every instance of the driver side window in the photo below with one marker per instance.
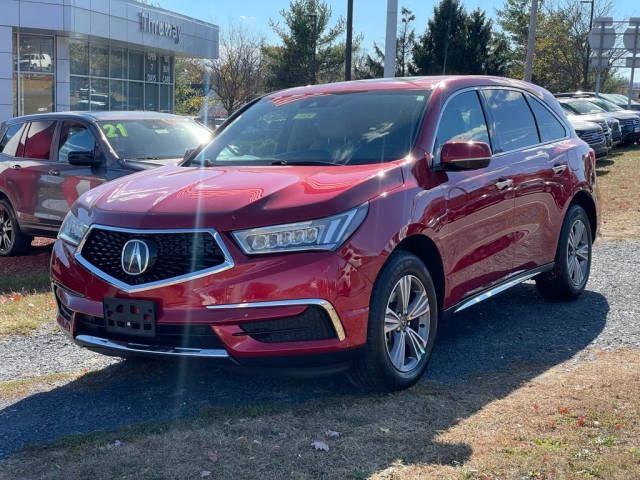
(75, 137)
(462, 119)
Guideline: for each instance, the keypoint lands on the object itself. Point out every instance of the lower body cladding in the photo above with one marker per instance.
(301, 311)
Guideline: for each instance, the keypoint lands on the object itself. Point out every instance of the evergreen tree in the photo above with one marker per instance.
(309, 52)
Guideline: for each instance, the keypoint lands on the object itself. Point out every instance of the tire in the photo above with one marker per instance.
(12, 240)
(380, 367)
(570, 273)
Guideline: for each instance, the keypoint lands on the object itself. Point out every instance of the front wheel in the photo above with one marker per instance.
(570, 273)
(403, 320)
(12, 240)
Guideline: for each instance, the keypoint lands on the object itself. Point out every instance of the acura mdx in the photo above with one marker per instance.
(332, 226)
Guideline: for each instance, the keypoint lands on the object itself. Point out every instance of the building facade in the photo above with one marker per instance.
(58, 55)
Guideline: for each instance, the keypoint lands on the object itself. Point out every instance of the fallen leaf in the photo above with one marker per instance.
(213, 456)
(332, 433)
(536, 407)
(618, 426)
(205, 473)
(320, 446)
(563, 410)
(580, 421)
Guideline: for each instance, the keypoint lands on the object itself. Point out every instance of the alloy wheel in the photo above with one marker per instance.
(578, 253)
(406, 323)
(6, 230)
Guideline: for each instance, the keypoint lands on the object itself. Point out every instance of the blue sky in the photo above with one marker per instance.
(368, 15)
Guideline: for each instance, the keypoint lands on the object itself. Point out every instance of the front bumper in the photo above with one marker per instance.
(256, 291)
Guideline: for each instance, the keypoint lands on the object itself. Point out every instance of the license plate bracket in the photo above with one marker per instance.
(130, 317)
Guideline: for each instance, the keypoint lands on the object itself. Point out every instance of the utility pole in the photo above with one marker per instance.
(531, 41)
(347, 59)
(585, 80)
(390, 40)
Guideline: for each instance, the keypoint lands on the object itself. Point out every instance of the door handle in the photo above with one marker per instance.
(502, 184)
(54, 172)
(557, 169)
(16, 166)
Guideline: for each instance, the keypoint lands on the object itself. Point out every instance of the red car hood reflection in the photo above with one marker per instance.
(236, 197)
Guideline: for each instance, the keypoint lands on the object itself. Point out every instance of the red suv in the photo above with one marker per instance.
(332, 226)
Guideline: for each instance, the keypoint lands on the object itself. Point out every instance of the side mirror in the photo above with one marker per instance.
(464, 155)
(189, 152)
(83, 158)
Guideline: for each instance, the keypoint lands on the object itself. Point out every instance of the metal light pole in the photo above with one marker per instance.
(531, 41)
(347, 59)
(390, 39)
(585, 80)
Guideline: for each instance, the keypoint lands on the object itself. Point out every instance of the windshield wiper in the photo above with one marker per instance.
(302, 162)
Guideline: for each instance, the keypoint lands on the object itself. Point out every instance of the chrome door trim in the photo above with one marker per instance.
(130, 347)
(501, 287)
(326, 304)
(226, 265)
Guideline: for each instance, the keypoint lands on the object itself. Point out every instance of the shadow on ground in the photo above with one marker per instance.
(514, 337)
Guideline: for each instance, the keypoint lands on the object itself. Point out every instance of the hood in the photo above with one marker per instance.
(582, 124)
(230, 198)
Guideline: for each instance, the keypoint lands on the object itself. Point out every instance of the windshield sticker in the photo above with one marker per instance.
(161, 131)
(302, 116)
(114, 131)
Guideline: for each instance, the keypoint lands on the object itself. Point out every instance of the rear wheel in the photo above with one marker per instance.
(12, 240)
(570, 274)
(403, 320)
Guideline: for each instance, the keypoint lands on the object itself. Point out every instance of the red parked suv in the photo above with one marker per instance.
(332, 226)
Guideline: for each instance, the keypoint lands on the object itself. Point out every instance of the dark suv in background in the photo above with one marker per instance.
(47, 161)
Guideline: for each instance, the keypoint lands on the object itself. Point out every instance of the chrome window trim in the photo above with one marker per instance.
(326, 304)
(130, 347)
(478, 88)
(226, 265)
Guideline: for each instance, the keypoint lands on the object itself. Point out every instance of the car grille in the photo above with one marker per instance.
(630, 123)
(312, 324)
(178, 254)
(592, 137)
(166, 335)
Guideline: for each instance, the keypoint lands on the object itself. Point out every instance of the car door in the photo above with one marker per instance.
(26, 167)
(71, 181)
(11, 183)
(539, 170)
(541, 190)
(479, 231)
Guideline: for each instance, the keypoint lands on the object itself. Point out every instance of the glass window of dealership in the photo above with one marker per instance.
(102, 76)
(92, 55)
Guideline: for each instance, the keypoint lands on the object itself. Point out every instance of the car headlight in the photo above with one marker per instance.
(320, 234)
(72, 229)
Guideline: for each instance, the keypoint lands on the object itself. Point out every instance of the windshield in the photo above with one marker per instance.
(619, 98)
(334, 129)
(605, 105)
(154, 139)
(584, 106)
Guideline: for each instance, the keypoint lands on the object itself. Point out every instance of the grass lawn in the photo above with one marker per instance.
(619, 182)
(577, 420)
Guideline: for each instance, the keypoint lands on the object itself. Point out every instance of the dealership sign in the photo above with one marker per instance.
(158, 27)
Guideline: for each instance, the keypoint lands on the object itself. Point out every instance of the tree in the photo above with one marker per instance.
(405, 43)
(367, 66)
(309, 52)
(189, 92)
(459, 43)
(561, 48)
(237, 76)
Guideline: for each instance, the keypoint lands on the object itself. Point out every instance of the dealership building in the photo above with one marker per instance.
(58, 55)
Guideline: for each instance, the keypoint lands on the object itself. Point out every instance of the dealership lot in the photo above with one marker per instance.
(50, 389)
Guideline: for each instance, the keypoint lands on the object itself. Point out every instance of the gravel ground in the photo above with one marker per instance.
(512, 328)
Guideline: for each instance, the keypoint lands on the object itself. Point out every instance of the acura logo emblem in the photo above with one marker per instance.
(135, 257)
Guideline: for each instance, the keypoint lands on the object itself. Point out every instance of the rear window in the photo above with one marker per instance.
(513, 121)
(343, 128)
(39, 139)
(583, 107)
(549, 126)
(11, 140)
